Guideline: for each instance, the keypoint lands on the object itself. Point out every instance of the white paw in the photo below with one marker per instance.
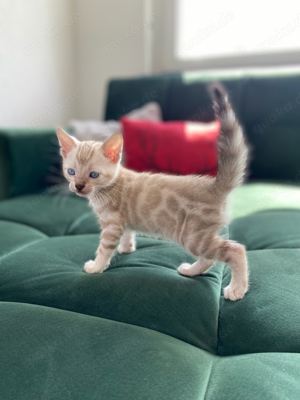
(130, 248)
(91, 268)
(185, 269)
(234, 293)
(198, 268)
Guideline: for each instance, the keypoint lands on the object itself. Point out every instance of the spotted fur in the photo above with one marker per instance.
(187, 209)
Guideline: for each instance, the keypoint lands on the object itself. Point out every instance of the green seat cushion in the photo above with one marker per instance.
(267, 319)
(268, 376)
(274, 229)
(261, 196)
(53, 213)
(142, 288)
(53, 354)
(140, 330)
(16, 235)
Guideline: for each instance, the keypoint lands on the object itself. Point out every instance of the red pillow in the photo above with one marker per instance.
(175, 147)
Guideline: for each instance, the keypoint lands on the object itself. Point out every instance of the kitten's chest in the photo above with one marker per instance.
(100, 210)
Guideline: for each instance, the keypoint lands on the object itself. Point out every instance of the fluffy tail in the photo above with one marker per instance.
(233, 152)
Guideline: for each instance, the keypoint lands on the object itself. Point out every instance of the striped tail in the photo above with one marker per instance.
(232, 149)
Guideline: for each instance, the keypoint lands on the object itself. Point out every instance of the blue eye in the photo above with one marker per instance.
(71, 171)
(94, 174)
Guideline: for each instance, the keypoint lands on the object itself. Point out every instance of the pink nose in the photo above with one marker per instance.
(79, 187)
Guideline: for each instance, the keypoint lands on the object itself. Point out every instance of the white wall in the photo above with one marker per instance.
(56, 56)
(37, 85)
(109, 43)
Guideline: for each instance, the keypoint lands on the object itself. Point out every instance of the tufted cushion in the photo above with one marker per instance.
(140, 330)
(272, 229)
(53, 354)
(66, 355)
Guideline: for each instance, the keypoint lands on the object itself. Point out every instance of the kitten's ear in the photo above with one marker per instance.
(67, 142)
(112, 147)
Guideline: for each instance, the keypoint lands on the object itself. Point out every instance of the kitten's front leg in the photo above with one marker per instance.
(127, 243)
(110, 237)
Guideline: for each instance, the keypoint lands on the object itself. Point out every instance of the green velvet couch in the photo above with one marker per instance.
(140, 330)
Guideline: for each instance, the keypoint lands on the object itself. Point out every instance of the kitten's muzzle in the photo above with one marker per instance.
(79, 187)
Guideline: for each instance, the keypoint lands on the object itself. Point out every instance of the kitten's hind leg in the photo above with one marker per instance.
(233, 254)
(127, 243)
(197, 268)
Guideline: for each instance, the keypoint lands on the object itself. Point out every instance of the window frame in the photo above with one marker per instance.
(164, 59)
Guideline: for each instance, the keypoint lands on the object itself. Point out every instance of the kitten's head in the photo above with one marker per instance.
(89, 165)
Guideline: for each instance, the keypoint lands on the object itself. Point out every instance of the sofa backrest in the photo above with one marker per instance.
(267, 103)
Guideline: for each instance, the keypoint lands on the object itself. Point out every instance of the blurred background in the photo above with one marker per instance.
(57, 56)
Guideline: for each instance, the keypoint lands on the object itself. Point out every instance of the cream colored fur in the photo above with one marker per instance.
(187, 209)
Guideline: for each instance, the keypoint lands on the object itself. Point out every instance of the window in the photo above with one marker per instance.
(229, 33)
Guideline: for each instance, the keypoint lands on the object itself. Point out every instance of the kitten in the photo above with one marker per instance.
(187, 209)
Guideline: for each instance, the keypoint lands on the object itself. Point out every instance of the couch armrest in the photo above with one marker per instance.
(27, 160)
